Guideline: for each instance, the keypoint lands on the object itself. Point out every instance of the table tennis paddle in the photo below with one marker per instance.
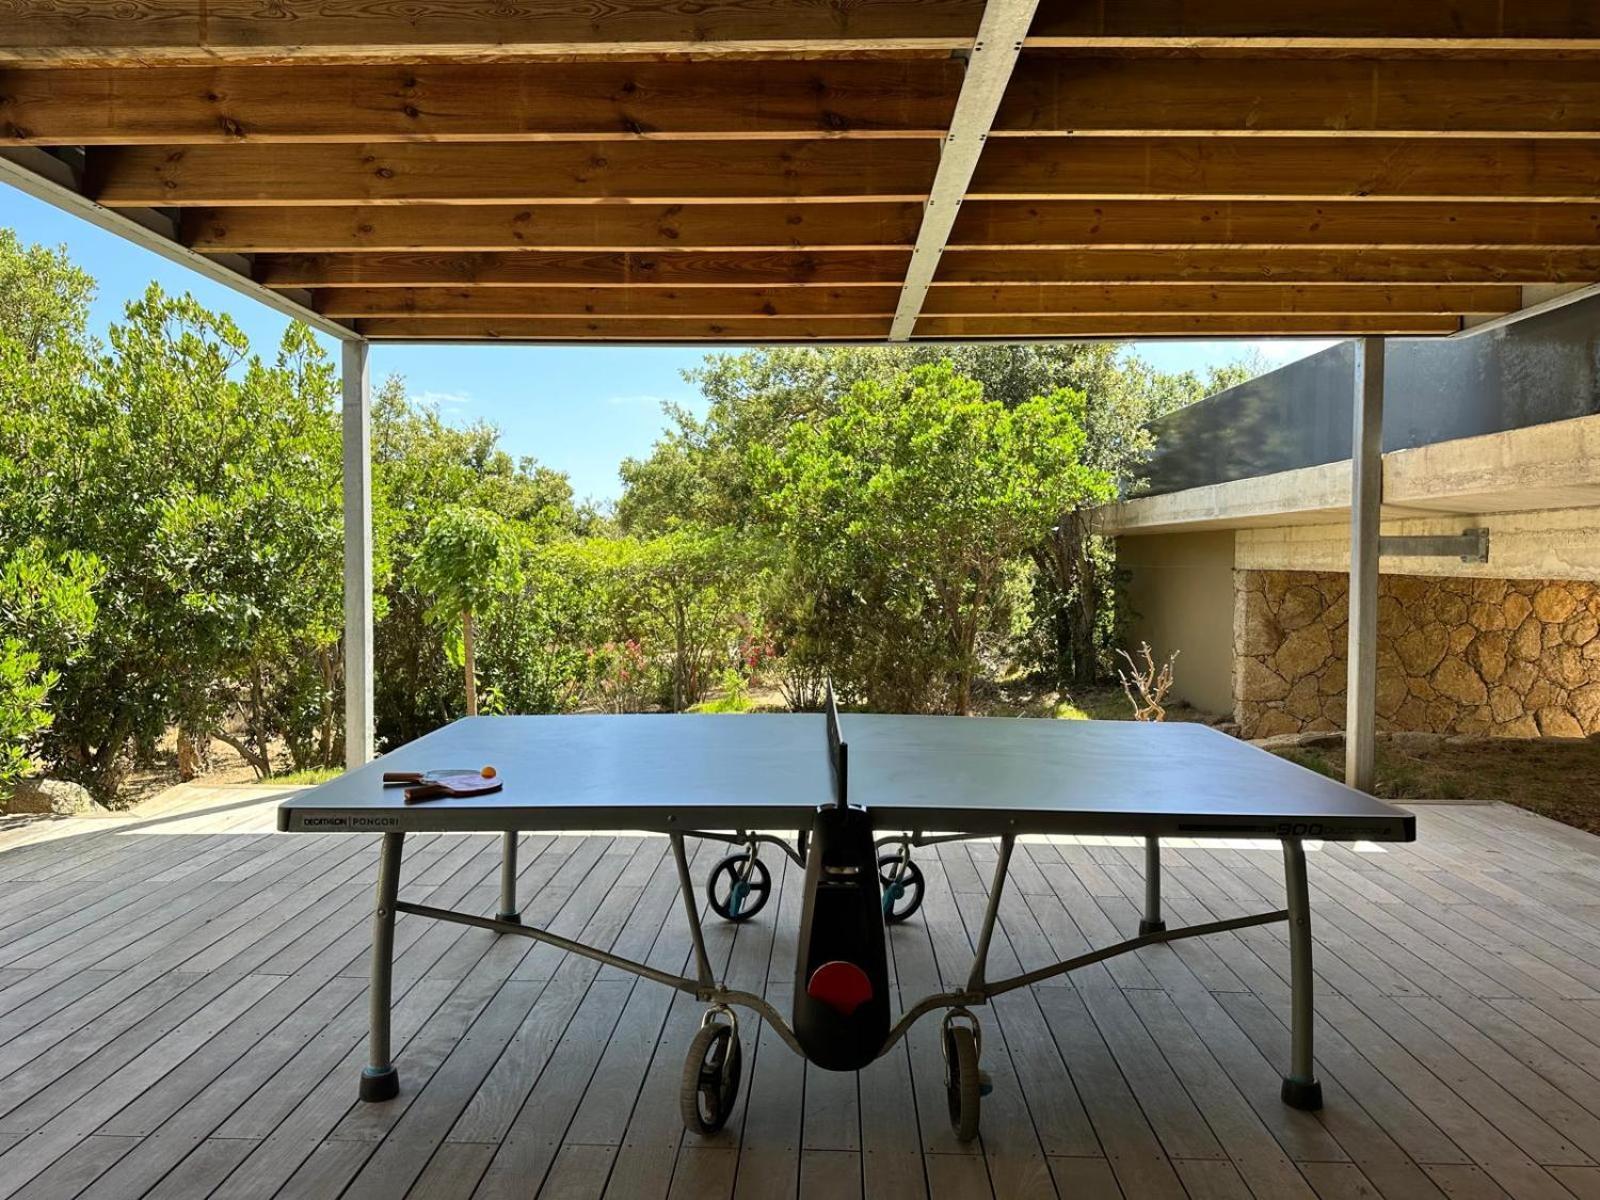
(438, 785)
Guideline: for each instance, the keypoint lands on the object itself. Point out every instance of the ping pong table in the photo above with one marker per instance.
(876, 788)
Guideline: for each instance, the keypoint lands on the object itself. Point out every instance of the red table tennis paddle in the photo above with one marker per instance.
(438, 785)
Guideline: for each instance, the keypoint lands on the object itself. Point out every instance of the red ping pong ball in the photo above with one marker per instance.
(488, 772)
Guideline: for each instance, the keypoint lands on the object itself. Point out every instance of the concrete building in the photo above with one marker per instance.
(1236, 548)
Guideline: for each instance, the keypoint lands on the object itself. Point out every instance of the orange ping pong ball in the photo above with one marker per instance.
(488, 772)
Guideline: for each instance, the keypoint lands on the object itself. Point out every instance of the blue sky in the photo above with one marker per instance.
(581, 411)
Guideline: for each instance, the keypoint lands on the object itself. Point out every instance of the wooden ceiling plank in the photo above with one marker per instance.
(1054, 95)
(698, 304)
(1350, 224)
(867, 225)
(1243, 298)
(1350, 26)
(1295, 265)
(1109, 325)
(579, 329)
(174, 32)
(1278, 168)
(547, 172)
(486, 102)
(533, 269)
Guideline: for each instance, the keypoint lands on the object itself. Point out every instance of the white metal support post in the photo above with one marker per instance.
(1366, 501)
(358, 737)
(989, 64)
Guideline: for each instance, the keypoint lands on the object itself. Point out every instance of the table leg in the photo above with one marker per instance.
(1152, 921)
(379, 1079)
(1300, 1086)
(508, 879)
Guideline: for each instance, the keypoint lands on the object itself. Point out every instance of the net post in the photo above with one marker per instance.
(838, 749)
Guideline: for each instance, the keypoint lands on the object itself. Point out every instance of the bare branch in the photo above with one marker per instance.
(1152, 684)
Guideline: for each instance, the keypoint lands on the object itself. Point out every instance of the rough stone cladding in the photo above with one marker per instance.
(1503, 657)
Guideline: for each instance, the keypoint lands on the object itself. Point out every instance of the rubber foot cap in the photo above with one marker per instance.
(379, 1084)
(1148, 927)
(509, 918)
(1306, 1096)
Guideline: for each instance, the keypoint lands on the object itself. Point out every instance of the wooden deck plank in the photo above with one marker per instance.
(182, 1014)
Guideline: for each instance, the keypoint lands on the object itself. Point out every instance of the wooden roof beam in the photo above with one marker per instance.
(1311, 265)
(714, 303)
(1286, 168)
(1051, 94)
(989, 63)
(857, 225)
(692, 304)
(503, 172)
(176, 32)
(1111, 325)
(1154, 299)
(579, 329)
(845, 329)
(1347, 27)
(1351, 224)
(225, 105)
(875, 225)
(533, 269)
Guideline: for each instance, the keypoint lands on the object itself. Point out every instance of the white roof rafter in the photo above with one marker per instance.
(989, 65)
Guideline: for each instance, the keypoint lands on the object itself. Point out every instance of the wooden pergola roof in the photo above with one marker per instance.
(855, 170)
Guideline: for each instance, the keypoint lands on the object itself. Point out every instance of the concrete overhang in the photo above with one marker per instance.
(1538, 468)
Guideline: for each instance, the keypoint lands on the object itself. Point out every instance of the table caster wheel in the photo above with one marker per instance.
(733, 897)
(710, 1078)
(962, 1081)
(902, 896)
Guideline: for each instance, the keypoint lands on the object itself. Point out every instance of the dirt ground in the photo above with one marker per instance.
(161, 770)
(1558, 778)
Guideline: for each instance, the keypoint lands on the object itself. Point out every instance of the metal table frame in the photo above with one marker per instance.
(380, 1079)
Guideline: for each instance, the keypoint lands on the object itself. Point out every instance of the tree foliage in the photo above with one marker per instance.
(905, 513)
(906, 519)
(468, 561)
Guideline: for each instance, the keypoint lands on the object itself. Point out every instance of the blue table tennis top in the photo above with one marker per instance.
(982, 776)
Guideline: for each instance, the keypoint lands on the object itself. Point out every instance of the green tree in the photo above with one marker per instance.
(468, 562)
(904, 513)
(700, 471)
(44, 298)
(204, 484)
(421, 466)
(683, 595)
(47, 610)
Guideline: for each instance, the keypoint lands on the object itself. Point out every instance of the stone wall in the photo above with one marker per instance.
(1508, 658)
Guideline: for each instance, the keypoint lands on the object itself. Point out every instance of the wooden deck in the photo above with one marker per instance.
(182, 1014)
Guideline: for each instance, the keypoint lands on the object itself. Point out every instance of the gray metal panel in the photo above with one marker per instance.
(980, 776)
(1545, 368)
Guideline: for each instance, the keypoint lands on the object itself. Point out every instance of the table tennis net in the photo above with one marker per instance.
(838, 749)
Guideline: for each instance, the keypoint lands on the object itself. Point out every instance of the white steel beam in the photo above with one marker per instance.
(1575, 296)
(1366, 500)
(994, 53)
(358, 686)
(48, 178)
